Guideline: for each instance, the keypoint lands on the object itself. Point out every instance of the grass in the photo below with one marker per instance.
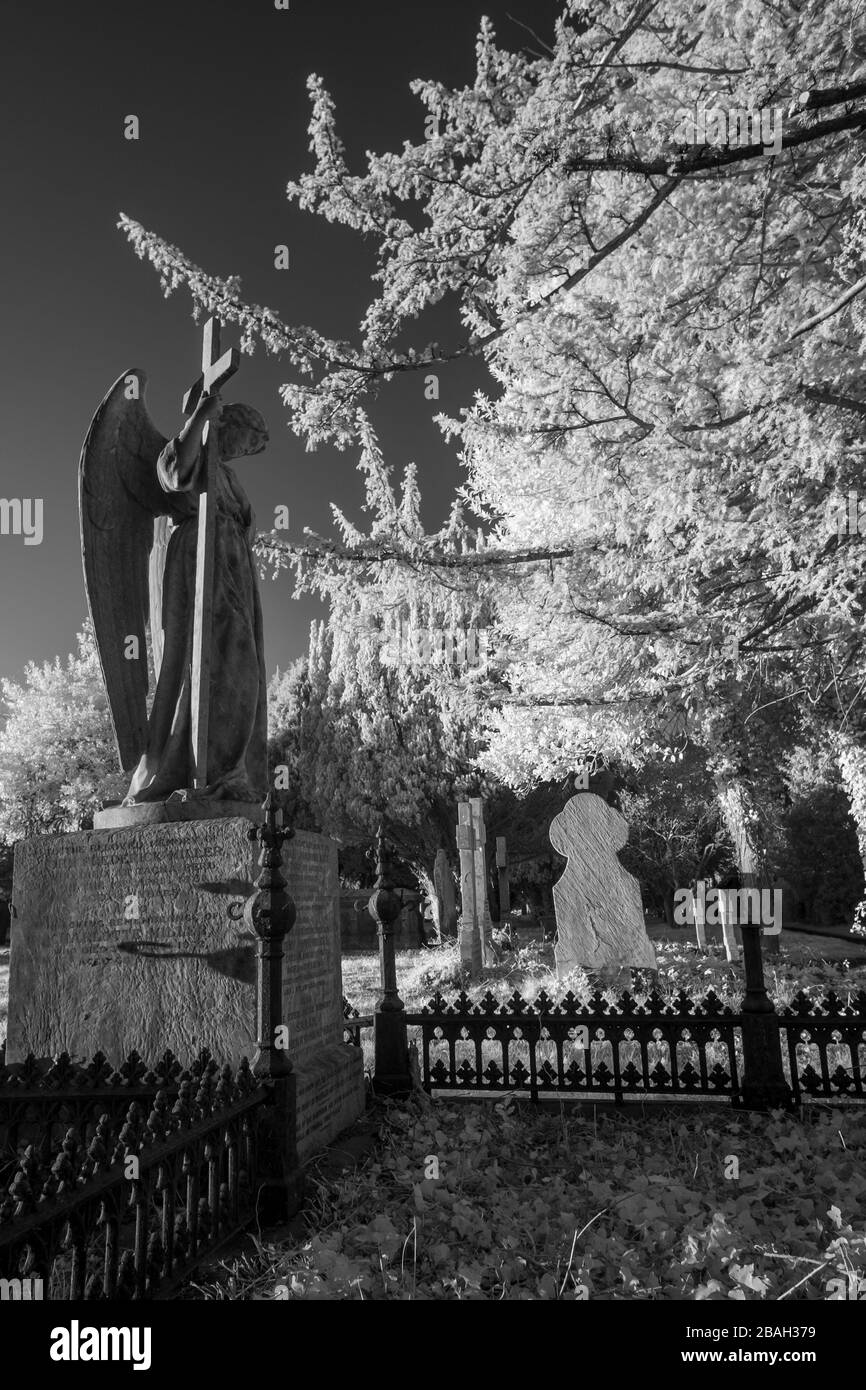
(531, 968)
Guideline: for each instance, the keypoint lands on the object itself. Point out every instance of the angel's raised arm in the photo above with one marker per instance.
(181, 464)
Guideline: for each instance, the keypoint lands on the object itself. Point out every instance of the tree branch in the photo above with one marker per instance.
(845, 298)
(816, 393)
(831, 96)
(707, 160)
(376, 552)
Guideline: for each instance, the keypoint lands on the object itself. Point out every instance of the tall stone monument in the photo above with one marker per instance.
(131, 936)
(599, 914)
(482, 903)
(469, 935)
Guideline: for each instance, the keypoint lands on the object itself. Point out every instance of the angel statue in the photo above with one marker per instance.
(140, 499)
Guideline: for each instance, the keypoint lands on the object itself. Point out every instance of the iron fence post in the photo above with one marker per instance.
(391, 1047)
(764, 1084)
(270, 912)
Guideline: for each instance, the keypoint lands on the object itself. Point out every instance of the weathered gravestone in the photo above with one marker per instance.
(134, 939)
(482, 905)
(443, 883)
(599, 915)
(469, 938)
(476, 926)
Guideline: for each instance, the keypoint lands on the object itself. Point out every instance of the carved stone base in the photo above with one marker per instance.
(134, 938)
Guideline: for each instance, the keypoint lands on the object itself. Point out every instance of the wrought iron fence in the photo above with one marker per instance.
(128, 1206)
(354, 1022)
(824, 1046)
(635, 1048)
(42, 1099)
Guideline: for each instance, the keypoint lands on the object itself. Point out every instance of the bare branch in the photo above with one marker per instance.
(845, 298)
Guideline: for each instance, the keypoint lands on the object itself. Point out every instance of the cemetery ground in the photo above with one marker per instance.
(458, 1198)
(464, 1199)
(645, 1202)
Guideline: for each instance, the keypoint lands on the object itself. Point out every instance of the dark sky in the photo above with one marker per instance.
(219, 89)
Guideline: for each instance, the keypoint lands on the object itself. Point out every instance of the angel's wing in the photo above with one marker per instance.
(119, 498)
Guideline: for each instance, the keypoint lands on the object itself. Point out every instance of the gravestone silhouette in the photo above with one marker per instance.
(599, 914)
(444, 888)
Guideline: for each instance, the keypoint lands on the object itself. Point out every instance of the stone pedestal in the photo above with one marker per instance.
(134, 938)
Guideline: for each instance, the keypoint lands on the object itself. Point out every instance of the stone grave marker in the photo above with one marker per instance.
(135, 939)
(443, 883)
(468, 932)
(599, 915)
(482, 906)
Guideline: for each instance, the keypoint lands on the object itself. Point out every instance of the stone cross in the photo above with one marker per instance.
(482, 907)
(216, 371)
(599, 914)
(469, 929)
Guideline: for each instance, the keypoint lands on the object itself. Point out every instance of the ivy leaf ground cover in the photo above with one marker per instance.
(504, 1201)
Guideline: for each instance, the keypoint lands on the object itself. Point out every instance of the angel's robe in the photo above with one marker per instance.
(237, 723)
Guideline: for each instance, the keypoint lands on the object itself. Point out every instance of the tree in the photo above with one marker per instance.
(674, 327)
(58, 758)
(676, 831)
(363, 743)
(377, 727)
